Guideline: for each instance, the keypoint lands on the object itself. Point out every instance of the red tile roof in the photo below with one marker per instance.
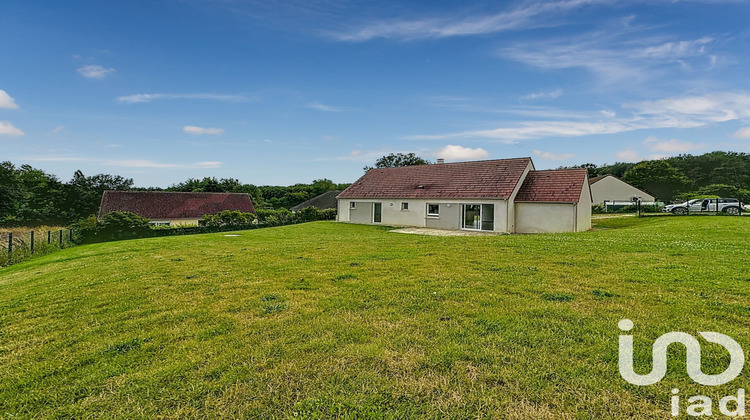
(559, 185)
(480, 179)
(173, 205)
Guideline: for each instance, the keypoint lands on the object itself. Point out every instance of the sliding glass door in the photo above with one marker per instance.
(377, 213)
(472, 216)
(478, 216)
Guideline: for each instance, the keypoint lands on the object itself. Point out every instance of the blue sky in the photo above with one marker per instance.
(284, 92)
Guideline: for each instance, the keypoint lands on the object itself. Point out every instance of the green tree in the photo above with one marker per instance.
(211, 184)
(395, 160)
(717, 190)
(84, 193)
(41, 198)
(10, 194)
(659, 178)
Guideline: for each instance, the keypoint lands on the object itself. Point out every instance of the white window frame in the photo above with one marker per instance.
(352, 205)
(434, 215)
(404, 206)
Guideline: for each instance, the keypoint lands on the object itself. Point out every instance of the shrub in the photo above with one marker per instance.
(227, 218)
(114, 225)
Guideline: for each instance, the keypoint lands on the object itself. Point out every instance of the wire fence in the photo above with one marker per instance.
(16, 246)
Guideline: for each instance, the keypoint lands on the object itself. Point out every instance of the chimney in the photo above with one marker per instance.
(440, 160)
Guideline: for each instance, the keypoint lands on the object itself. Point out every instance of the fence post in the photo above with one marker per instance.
(32, 242)
(10, 245)
(71, 235)
(60, 238)
(49, 237)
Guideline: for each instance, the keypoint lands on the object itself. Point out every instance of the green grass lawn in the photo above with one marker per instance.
(327, 320)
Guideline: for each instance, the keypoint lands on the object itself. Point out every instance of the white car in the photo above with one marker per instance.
(698, 205)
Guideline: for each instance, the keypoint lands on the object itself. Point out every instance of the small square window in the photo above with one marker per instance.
(352, 205)
(404, 206)
(433, 210)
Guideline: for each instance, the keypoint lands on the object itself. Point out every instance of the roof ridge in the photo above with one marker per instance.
(457, 163)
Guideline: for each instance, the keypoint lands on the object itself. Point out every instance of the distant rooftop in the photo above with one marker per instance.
(173, 205)
(327, 200)
(478, 179)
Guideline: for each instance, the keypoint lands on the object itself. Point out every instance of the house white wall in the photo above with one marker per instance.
(583, 211)
(536, 217)
(532, 217)
(416, 215)
(511, 214)
(613, 189)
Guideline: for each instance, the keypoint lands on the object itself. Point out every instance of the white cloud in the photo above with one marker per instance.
(326, 108)
(125, 163)
(454, 152)
(551, 156)
(678, 112)
(137, 163)
(532, 14)
(533, 130)
(616, 54)
(94, 71)
(148, 97)
(628, 156)
(670, 146)
(548, 96)
(6, 128)
(58, 129)
(742, 133)
(633, 156)
(6, 101)
(191, 129)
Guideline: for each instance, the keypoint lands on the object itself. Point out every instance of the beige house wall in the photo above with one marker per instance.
(583, 209)
(613, 189)
(176, 222)
(546, 217)
(416, 215)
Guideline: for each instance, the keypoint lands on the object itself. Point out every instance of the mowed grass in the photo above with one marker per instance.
(328, 320)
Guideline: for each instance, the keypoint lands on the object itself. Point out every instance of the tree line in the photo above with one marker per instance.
(723, 174)
(32, 197)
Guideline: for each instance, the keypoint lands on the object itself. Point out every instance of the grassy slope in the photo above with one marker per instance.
(333, 320)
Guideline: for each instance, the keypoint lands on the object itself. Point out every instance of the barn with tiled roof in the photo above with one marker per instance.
(174, 208)
(503, 195)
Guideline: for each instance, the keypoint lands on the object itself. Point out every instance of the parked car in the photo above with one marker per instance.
(724, 205)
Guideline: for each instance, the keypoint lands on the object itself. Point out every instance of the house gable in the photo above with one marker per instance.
(610, 188)
(553, 186)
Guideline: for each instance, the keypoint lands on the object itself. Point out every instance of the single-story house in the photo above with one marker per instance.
(174, 208)
(504, 195)
(324, 201)
(611, 190)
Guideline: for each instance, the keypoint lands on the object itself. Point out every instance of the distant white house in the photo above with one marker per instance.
(505, 195)
(610, 190)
